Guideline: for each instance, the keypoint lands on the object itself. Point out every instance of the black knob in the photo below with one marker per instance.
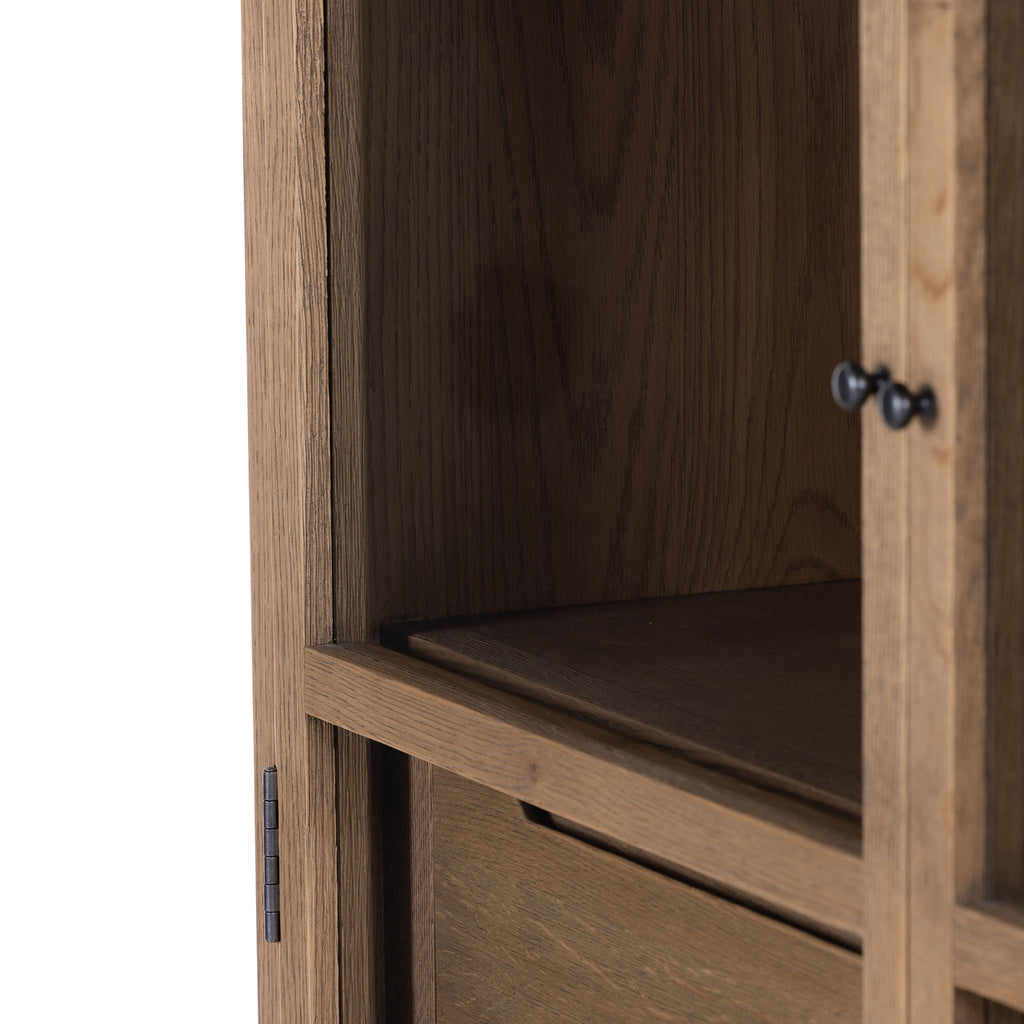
(852, 385)
(898, 405)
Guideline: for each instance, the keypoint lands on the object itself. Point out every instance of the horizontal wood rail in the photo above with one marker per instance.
(771, 849)
(989, 944)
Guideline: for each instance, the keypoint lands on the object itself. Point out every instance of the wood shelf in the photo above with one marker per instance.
(807, 864)
(989, 951)
(762, 683)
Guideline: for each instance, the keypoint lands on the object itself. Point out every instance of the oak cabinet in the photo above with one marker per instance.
(607, 665)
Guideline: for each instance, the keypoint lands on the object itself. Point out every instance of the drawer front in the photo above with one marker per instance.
(533, 925)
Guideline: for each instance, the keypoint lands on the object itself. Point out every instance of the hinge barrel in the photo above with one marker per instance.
(271, 863)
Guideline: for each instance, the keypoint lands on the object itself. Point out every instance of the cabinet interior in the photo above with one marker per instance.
(608, 255)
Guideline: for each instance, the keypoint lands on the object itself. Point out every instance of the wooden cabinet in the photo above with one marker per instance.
(606, 665)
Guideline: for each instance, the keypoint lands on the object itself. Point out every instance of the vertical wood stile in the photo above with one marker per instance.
(923, 189)
(884, 53)
(269, 978)
(286, 273)
(946, 679)
(424, 966)
(360, 806)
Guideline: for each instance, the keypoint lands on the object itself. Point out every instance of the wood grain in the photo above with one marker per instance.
(346, 73)
(765, 683)
(532, 925)
(361, 923)
(884, 113)
(1005, 228)
(421, 857)
(1005, 451)
(604, 258)
(923, 69)
(808, 861)
(407, 873)
(286, 254)
(269, 976)
(989, 955)
(947, 636)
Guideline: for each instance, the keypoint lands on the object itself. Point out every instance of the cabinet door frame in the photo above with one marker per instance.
(925, 87)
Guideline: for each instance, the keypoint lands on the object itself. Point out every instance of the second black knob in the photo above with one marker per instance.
(898, 405)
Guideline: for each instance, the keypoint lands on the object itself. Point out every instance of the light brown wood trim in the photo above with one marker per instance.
(989, 952)
(947, 636)
(779, 853)
(286, 302)
(884, 113)
(923, 166)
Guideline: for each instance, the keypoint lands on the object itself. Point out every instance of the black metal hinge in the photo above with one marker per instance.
(271, 863)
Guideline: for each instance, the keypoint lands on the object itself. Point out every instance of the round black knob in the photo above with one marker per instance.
(852, 385)
(898, 405)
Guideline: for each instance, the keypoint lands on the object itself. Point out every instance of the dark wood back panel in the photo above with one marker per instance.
(610, 256)
(1005, 296)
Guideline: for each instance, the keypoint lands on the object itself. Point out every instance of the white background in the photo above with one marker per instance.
(126, 842)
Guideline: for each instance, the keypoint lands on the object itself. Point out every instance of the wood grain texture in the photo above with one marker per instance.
(931, 692)
(361, 922)
(269, 975)
(808, 861)
(286, 253)
(923, 72)
(1005, 227)
(532, 925)
(947, 635)
(1006, 450)
(884, 113)
(346, 74)
(765, 683)
(407, 875)
(421, 857)
(604, 262)
(989, 955)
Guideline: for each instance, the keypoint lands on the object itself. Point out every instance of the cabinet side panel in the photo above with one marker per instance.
(269, 977)
(286, 253)
(611, 258)
(1006, 457)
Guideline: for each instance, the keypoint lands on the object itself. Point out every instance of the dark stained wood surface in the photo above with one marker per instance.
(407, 889)
(534, 926)
(766, 682)
(594, 264)
(1006, 446)
(1005, 275)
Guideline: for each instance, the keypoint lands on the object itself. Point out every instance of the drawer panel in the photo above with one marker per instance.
(533, 925)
